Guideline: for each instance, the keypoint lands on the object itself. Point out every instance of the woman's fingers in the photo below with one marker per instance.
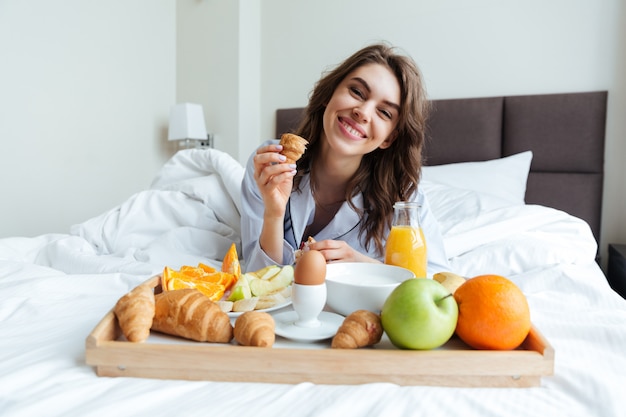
(266, 159)
(275, 174)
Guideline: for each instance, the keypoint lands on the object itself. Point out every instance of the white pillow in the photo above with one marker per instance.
(452, 206)
(504, 178)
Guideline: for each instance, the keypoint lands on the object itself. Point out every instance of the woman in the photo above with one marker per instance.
(365, 125)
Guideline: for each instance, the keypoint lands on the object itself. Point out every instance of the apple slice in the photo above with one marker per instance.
(245, 304)
(270, 300)
(241, 290)
(268, 272)
(260, 287)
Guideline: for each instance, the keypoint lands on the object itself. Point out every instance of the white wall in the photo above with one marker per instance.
(218, 66)
(85, 90)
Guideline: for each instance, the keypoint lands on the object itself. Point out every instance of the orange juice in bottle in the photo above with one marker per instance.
(406, 245)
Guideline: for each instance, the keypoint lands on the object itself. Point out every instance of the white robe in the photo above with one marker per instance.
(344, 226)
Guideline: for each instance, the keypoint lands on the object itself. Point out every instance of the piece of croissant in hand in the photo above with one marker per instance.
(304, 247)
(135, 311)
(293, 147)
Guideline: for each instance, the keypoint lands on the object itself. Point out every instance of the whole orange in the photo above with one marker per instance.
(493, 313)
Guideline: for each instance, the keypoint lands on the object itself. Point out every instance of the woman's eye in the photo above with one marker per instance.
(356, 92)
(386, 113)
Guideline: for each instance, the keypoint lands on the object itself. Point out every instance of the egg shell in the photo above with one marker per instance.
(310, 268)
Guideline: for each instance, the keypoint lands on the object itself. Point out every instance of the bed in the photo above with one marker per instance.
(516, 185)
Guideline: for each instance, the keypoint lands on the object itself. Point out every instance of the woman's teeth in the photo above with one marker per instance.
(352, 130)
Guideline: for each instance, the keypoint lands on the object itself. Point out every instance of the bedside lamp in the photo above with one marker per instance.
(187, 126)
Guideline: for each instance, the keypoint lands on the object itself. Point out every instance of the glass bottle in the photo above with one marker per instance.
(406, 245)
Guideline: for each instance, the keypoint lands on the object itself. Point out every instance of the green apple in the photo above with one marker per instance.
(419, 314)
(241, 290)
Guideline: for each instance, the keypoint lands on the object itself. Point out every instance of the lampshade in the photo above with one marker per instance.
(187, 122)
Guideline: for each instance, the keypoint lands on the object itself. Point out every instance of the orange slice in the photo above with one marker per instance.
(206, 268)
(210, 289)
(205, 278)
(165, 276)
(231, 263)
(192, 271)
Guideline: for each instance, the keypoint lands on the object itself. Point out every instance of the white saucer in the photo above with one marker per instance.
(286, 327)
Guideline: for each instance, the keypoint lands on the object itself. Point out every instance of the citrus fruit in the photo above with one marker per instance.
(210, 289)
(205, 278)
(206, 268)
(493, 313)
(230, 263)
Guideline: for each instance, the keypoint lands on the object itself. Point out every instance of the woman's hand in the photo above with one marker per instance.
(274, 179)
(340, 251)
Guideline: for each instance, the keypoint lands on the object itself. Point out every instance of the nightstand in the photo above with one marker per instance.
(617, 268)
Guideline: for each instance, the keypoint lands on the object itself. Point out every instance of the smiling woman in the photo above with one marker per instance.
(361, 115)
(365, 125)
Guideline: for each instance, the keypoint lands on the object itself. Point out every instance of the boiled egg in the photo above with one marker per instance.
(310, 268)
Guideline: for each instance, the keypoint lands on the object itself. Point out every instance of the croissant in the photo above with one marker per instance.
(293, 146)
(190, 314)
(135, 311)
(359, 329)
(255, 328)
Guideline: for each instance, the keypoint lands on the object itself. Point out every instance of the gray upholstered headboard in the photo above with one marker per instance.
(564, 131)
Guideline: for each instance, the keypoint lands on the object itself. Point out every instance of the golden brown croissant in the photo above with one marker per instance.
(361, 328)
(190, 314)
(135, 311)
(293, 147)
(255, 328)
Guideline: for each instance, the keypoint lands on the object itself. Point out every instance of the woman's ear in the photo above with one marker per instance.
(387, 142)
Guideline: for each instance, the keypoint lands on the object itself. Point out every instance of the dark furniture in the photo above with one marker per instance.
(616, 273)
(564, 131)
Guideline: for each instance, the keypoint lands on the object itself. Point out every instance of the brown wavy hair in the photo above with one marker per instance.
(385, 175)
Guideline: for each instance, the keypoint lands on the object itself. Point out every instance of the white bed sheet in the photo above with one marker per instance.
(55, 288)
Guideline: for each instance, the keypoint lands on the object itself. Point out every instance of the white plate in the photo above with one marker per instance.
(286, 327)
(267, 310)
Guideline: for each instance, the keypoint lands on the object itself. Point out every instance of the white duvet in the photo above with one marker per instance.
(55, 288)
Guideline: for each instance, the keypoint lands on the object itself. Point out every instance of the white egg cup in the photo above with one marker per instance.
(308, 301)
(307, 321)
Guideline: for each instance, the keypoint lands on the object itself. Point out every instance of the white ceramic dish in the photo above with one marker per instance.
(361, 286)
(286, 326)
(267, 310)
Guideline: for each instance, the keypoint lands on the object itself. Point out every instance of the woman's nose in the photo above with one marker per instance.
(362, 113)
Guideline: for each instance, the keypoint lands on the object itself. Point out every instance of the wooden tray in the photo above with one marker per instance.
(453, 365)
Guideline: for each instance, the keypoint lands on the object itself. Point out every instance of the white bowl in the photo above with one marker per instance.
(361, 286)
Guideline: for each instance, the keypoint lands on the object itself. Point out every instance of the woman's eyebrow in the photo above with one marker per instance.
(369, 90)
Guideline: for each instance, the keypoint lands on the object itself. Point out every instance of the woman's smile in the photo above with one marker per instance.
(351, 128)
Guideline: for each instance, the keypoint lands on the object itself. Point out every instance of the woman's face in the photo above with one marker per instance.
(363, 112)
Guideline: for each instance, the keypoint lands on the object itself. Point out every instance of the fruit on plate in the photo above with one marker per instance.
(268, 287)
(450, 280)
(419, 314)
(493, 313)
(232, 290)
(267, 272)
(260, 287)
(213, 284)
(206, 279)
(230, 263)
(241, 289)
